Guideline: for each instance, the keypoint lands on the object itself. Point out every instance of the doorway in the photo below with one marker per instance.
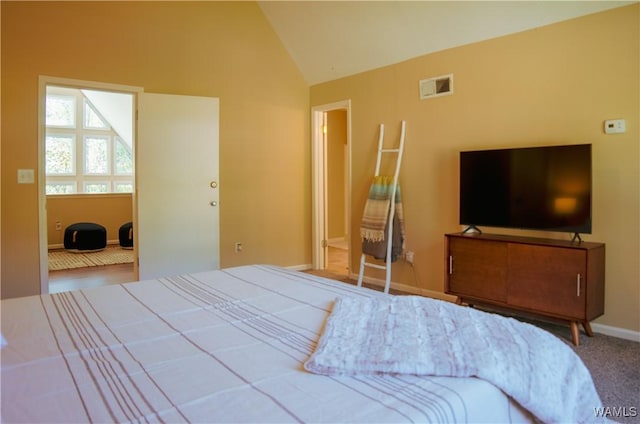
(331, 150)
(86, 169)
(177, 176)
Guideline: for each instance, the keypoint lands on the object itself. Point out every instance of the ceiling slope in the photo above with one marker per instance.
(333, 39)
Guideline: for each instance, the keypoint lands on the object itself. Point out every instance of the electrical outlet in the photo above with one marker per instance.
(58, 225)
(238, 247)
(408, 256)
(615, 126)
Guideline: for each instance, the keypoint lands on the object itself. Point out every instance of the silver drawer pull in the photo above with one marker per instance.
(578, 285)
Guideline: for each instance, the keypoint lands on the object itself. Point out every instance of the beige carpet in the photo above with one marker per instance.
(62, 259)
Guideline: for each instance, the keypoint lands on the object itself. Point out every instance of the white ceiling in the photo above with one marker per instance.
(334, 39)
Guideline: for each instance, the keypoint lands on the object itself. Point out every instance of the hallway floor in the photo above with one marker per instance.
(338, 261)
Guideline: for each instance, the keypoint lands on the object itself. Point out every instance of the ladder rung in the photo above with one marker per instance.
(390, 150)
(370, 265)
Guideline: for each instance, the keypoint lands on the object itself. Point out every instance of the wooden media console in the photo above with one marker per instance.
(553, 278)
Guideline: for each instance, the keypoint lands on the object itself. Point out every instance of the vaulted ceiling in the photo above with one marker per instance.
(333, 39)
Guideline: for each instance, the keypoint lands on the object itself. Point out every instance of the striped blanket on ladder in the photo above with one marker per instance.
(374, 226)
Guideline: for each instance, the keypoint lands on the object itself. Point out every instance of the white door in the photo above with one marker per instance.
(177, 185)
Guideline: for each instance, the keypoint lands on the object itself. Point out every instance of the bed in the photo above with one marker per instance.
(222, 346)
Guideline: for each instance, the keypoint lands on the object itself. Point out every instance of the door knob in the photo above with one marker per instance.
(213, 203)
(213, 184)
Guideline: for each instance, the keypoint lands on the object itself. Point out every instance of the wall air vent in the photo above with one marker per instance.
(435, 87)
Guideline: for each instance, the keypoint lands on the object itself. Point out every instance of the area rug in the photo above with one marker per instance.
(62, 259)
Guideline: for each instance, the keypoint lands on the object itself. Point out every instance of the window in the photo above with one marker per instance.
(84, 152)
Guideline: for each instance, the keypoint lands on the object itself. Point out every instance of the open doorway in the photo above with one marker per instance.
(337, 187)
(176, 175)
(86, 174)
(331, 187)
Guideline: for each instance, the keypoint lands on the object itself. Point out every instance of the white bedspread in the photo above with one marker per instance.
(222, 346)
(421, 336)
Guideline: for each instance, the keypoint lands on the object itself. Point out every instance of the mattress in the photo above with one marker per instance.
(218, 346)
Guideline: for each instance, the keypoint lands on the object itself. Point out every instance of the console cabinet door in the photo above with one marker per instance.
(477, 268)
(551, 280)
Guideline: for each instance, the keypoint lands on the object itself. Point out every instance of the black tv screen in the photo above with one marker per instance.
(538, 188)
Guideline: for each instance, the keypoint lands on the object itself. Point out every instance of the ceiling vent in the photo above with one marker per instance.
(435, 87)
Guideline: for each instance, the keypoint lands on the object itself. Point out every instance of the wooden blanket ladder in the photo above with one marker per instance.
(389, 236)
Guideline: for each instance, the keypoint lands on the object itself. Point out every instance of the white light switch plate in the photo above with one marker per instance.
(26, 176)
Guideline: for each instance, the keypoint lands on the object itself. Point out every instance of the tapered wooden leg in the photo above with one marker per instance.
(459, 301)
(575, 333)
(587, 328)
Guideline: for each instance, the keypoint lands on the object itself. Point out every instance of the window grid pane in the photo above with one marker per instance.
(60, 155)
(60, 188)
(61, 111)
(124, 187)
(96, 155)
(92, 119)
(123, 161)
(96, 187)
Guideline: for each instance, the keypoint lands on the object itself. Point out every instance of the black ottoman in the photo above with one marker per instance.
(85, 236)
(126, 235)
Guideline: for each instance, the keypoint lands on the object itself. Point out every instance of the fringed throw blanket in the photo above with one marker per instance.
(374, 226)
(422, 336)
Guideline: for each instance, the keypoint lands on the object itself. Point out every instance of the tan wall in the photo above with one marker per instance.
(218, 49)
(336, 142)
(552, 85)
(108, 210)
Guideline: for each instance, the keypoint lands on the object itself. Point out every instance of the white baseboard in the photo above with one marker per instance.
(61, 245)
(405, 288)
(340, 243)
(303, 267)
(621, 333)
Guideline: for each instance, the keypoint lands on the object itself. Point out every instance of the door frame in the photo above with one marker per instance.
(43, 81)
(319, 178)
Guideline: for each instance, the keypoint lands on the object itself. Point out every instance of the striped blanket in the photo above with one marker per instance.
(221, 346)
(377, 207)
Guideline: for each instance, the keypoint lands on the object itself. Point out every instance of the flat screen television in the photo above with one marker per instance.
(537, 188)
